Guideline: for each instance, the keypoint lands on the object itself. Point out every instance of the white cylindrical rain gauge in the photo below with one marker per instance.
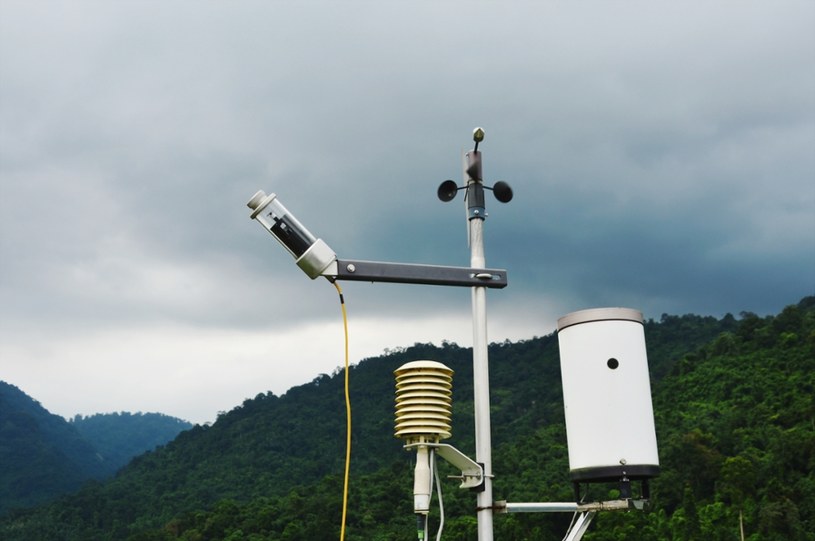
(607, 396)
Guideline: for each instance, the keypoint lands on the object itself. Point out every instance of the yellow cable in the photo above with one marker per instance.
(347, 418)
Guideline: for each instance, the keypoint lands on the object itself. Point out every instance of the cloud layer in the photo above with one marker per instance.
(661, 156)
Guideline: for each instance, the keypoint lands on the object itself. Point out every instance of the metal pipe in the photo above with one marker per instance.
(481, 380)
(567, 507)
(534, 507)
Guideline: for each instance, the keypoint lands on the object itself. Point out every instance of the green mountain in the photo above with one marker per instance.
(42, 455)
(118, 437)
(735, 421)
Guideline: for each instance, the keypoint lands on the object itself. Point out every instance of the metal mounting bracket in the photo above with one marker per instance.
(585, 511)
(410, 273)
(570, 507)
(472, 473)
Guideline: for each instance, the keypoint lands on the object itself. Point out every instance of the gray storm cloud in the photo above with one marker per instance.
(661, 157)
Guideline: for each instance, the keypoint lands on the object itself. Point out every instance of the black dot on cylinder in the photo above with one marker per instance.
(613, 363)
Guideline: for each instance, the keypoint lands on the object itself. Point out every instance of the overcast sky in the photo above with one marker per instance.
(662, 156)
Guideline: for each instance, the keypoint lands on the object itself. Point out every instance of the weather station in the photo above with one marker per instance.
(604, 372)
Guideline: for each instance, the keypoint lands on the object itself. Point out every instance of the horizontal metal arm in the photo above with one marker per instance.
(408, 273)
(568, 507)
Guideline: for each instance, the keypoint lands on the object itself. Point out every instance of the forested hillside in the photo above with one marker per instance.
(735, 422)
(42, 455)
(118, 437)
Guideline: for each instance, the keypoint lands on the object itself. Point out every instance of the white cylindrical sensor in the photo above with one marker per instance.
(422, 482)
(312, 255)
(607, 395)
(276, 218)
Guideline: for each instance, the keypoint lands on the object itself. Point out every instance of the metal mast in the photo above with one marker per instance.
(476, 214)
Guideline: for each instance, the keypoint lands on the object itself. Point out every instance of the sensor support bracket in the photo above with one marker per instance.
(409, 273)
(503, 506)
(472, 473)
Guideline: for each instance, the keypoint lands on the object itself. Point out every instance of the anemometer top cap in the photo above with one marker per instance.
(599, 314)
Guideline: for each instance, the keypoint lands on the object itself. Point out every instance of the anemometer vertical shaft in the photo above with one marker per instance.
(476, 214)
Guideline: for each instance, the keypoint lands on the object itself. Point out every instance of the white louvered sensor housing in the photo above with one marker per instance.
(424, 405)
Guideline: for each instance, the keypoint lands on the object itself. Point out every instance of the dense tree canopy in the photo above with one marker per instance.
(118, 437)
(42, 455)
(734, 410)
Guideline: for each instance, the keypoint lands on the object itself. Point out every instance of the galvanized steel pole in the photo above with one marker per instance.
(481, 389)
(476, 214)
